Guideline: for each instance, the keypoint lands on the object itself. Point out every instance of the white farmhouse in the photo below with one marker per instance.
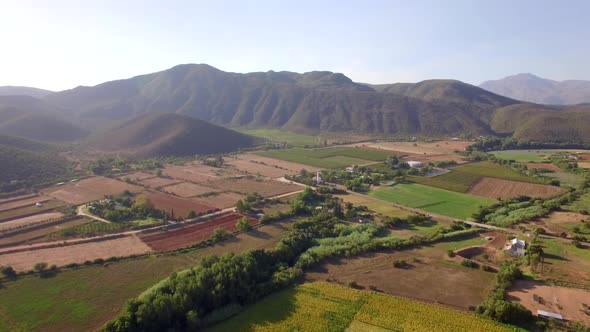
(516, 247)
(415, 164)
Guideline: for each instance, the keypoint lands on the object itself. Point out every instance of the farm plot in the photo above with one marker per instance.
(220, 200)
(568, 179)
(492, 170)
(566, 262)
(328, 157)
(581, 205)
(40, 233)
(426, 267)
(322, 306)
(91, 189)
(547, 166)
(573, 304)
(533, 156)
(285, 167)
(29, 220)
(75, 253)
(373, 205)
(497, 188)
(558, 222)
(282, 136)
(27, 201)
(187, 189)
(137, 176)
(84, 299)
(30, 210)
(157, 182)
(432, 199)
(195, 172)
(584, 164)
(246, 185)
(421, 148)
(187, 236)
(180, 206)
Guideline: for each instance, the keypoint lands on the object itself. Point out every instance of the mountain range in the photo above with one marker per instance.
(127, 115)
(531, 88)
(23, 91)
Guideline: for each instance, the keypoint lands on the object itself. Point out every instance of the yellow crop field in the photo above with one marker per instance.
(322, 306)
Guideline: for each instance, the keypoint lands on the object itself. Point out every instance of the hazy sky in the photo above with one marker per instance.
(58, 44)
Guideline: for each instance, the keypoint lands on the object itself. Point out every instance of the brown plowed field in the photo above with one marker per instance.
(197, 172)
(221, 200)
(423, 148)
(244, 185)
(90, 189)
(497, 188)
(187, 189)
(181, 206)
(550, 167)
(187, 236)
(29, 220)
(23, 202)
(584, 164)
(75, 253)
(157, 182)
(37, 234)
(273, 168)
(568, 302)
(138, 176)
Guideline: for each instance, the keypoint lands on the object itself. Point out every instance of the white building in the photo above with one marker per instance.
(415, 164)
(516, 247)
(318, 178)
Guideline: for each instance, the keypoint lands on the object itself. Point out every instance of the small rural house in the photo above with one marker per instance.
(516, 247)
(318, 178)
(415, 164)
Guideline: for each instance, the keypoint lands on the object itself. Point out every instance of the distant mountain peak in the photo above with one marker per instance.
(532, 88)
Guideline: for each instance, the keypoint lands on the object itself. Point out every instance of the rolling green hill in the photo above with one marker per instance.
(167, 134)
(28, 163)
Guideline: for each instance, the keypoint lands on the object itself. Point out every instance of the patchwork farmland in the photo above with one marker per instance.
(328, 157)
(503, 189)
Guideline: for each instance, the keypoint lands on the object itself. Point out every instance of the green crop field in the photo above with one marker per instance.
(525, 156)
(432, 199)
(282, 136)
(568, 179)
(322, 306)
(582, 204)
(492, 170)
(328, 157)
(85, 298)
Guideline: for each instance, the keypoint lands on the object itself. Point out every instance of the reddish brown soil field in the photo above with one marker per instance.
(221, 200)
(138, 176)
(273, 168)
(197, 172)
(187, 189)
(90, 189)
(550, 167)
(245, 185)
(573, 304)
(181, 206)
(16, 198)
(497, 188)
(75, 253)
(31, 209)
(583, 156)
(157, 182)
(23, 202)
(29, 220)
(427, 277)
(187, 236)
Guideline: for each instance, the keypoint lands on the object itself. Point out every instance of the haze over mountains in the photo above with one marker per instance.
(126, 115)
(23, 91)
(528, 87)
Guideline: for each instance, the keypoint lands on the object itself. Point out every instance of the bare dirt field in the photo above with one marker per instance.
(550, 167)
(16, 198)
(573, 304)
(157, 182)
(556, 222)
(497, 188)
(220, 200)
(273, 168)
(23, 202)
(31, 209)
(29, 220)
(583, 156)
(448, 283)
(180, 206)
(75, 253)
(584, 164)
(424, 148)
(187, 189)
(38, 234)
(138, 176)
(90, 189)
(245, 185)
(187, 236)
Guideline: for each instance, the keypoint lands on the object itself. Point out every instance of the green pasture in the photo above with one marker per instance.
(328, 157)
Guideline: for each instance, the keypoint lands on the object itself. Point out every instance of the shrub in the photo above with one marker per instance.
(400, 263)
(469, 263)
(451, 253)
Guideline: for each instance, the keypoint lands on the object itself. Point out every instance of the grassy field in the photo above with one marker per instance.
(328, 157)
(569, 179)
(282, 136)
(83, 299)
(432, 199)
(524, 156)
(322, 306)
(582, 204)
(379, 207)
